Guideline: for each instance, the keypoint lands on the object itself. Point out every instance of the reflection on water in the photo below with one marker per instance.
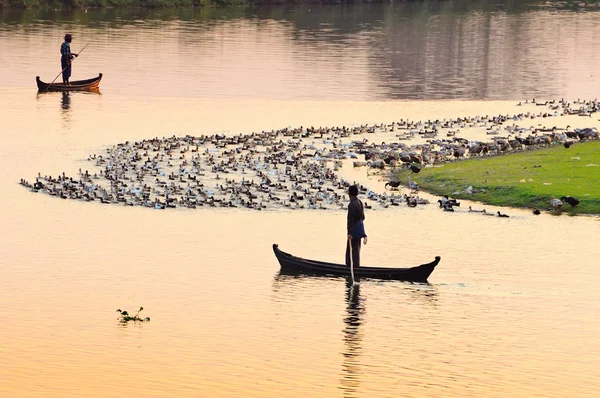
(285, 289)
(285, 279)
(66, 102)
(406, 304)
(424, 292)
(66, 110)
(65, 105)
(352, 340)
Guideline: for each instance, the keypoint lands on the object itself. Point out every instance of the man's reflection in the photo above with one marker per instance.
(352, 340)
(66, 101)
(65, 105)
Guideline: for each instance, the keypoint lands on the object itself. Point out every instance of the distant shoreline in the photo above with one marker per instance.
(158, 4)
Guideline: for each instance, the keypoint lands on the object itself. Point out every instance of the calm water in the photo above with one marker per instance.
(510, 311)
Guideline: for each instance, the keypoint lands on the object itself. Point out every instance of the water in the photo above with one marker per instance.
(509, 311)
(367, 52)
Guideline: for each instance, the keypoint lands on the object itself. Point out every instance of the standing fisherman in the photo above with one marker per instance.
(355, 227)
(66, 58)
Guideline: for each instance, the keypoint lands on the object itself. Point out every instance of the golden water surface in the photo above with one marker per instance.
(510, 311)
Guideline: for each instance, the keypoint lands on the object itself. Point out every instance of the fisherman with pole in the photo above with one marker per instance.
(66, 58)
(356, 230)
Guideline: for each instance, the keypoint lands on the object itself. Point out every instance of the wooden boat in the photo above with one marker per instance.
(291, 263)
(77, 85)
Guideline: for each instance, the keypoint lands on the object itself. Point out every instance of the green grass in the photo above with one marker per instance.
(527, 179)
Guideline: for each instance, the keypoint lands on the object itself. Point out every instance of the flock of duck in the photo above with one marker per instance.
(448, 204)
(299, 168)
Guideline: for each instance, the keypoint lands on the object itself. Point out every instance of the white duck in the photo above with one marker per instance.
(556, 203)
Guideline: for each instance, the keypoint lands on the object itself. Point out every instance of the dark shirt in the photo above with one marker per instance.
(356, 213)
(65, 49)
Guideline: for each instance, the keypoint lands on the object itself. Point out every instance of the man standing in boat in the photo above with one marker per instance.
(355, 226)
(66, 58)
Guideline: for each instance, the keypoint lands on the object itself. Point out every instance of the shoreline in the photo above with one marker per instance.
(165, 4)
(467, 179)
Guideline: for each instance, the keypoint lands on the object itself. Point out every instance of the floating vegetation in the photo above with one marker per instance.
(125, 317)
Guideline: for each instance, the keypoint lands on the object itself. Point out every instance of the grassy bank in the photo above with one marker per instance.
(527, 179)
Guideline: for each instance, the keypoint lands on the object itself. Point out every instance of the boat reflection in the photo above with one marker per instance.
(424, 291)
(66, 98)
(286, 278)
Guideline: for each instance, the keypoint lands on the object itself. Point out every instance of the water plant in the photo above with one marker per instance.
(125, 317)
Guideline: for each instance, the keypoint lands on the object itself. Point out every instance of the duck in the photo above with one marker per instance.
(471, 210)
(536, 212)
(295, 196)
(411, 201)
(393, 184)
(570, 200)
(413, 185)
(556, 203)
(414, 168)
(502, 214)
(447, 201)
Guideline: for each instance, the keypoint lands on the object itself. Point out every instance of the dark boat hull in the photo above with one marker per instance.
(291, 263)
(78, 85)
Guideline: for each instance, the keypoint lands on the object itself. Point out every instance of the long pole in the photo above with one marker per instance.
(65, 67)
(351, 262)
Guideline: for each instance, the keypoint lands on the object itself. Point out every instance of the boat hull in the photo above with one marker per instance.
(78, 85)
(290, 263)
